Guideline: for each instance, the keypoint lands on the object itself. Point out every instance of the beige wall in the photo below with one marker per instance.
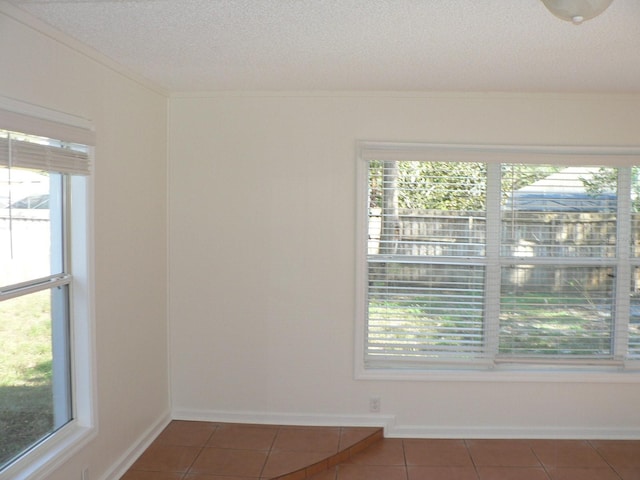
(130, 229)
(262, 229)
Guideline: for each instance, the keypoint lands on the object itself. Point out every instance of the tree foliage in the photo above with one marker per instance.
(445, 185)
(606, 181)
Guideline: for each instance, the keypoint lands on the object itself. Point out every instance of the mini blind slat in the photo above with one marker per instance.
(24, 154)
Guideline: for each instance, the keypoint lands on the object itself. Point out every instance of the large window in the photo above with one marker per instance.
(497, 258)
(43, 302)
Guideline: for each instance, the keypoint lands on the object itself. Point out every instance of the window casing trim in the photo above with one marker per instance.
(534, 374)
(613, 370)
(41, 460)
(620, 156)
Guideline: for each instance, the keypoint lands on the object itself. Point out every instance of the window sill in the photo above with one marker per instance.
(536, 374)
(52, 452)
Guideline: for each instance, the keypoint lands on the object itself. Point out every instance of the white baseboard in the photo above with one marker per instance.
(302, 419)
(392, 430)
(127, 459)
(552, 433)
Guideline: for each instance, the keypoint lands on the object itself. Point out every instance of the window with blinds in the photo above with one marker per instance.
(476, 261)
(36, 280)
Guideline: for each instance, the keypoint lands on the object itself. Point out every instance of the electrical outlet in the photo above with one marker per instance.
(374, 404)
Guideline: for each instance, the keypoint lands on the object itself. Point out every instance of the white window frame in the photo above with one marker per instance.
(566, 155)
(44, 458)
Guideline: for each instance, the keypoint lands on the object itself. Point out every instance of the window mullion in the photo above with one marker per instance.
(492, 279)
(623, 269)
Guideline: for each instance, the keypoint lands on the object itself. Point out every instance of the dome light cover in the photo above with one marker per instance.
(577, 11)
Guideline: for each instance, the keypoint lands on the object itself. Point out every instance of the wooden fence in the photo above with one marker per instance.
(523, 234)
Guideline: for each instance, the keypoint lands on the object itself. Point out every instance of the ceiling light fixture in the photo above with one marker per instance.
(577, 11)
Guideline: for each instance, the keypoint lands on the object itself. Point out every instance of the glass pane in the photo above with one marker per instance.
(34, 370)
(549, 310)
(425, 310)
(30, 237)
(558, 211)
(427, 208)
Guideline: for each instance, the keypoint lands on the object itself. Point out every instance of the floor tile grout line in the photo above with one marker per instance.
(473, 462)
(404, 456)
(615, 470)
(336, 467)
(592, 447)
(542, 464)
(612, 467)
(202, 447)
(273, 442)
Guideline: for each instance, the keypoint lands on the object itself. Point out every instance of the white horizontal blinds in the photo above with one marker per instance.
(19, 150)
(634, 315)
(559, 231)
(427, 208)
(422, 310)
(426, 243)
(527, 255)
(557, 311)
(558, 211)
(634, 297)
(635, 212)
(633, 339)
(43, 139)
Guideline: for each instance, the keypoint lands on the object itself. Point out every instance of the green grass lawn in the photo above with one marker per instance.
(26, 402)
(539, 325)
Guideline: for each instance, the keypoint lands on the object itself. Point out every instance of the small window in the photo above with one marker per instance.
(486, 259)
(38, 318)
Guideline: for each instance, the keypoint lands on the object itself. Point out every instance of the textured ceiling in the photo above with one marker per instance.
(398, 45)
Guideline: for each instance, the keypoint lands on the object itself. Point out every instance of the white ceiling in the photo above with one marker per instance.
(397, 45)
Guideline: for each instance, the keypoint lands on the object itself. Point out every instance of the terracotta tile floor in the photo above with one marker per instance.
(223, 451)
